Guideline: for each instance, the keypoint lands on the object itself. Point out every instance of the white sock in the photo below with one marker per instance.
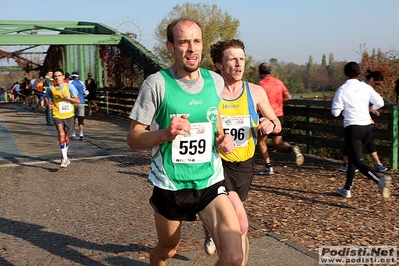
(64, 150)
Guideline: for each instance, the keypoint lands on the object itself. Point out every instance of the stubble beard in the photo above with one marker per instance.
(191, 68)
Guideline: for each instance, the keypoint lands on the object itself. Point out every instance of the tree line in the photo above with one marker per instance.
(322, 79)
(325, 78)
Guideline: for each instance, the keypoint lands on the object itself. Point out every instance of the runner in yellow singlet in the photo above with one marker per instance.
(239, 113)
(60, 98)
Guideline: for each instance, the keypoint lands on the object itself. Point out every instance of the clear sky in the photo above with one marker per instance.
(289, 30)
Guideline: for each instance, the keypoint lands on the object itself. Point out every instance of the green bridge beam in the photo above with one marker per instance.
(61, 39)
(16, 33)
(11, 68)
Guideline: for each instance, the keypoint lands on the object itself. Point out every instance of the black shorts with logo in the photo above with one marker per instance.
(183, 205)
(238, 176)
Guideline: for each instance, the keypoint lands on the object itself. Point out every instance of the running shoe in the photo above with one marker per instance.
(344, 193)
(380, 168)
(209, 245)
(384, 185)
(266, 171)
(81, 135)
(73, 134)
(64, 163)
(345, 168)
(299, 158)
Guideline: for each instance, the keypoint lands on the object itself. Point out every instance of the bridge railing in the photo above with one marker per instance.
(308, 123)
(116, 101)
(311, 124)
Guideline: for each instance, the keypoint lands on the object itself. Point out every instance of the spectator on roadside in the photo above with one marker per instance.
(277, 94)
(48, 82)
(91, 86)
(353, 100)
(79, 107)
(60, 97)
(188, 178)
(374, 79)
(239, 113)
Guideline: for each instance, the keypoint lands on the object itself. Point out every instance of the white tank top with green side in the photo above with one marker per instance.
(190, 161)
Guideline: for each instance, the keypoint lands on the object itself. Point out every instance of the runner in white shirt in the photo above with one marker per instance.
(353, 100)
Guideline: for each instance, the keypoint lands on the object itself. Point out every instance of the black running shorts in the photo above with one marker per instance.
(183, 205)
(238, 176)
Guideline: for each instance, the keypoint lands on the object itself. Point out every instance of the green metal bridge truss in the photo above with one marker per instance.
(76, 46)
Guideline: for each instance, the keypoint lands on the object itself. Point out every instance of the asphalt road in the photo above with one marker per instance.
(95, 211)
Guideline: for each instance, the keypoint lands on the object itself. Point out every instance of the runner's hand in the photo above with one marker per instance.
(225, 143)
(178, 126)
(266, 126)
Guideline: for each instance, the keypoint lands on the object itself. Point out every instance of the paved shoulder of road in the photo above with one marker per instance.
(25, 137)
(95, 211)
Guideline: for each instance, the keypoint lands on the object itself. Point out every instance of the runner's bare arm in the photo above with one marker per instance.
(263, 105)
(140, 137)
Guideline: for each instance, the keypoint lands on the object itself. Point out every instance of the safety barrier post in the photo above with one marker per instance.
(107, 103)
(394, 137)
(309, 147)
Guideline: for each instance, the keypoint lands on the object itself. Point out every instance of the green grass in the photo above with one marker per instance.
(311, 95)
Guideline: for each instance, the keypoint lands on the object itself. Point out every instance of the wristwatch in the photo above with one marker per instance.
(274, 124)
